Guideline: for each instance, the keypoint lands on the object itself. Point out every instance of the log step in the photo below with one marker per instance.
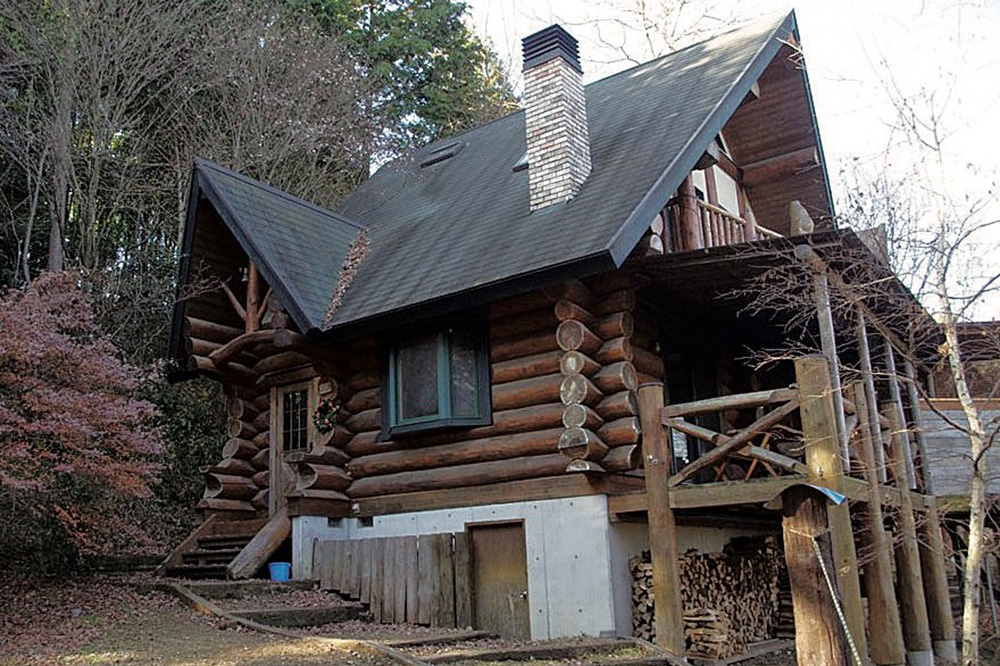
(304, 617)
(197, 571)
(588, 650)
(223, 542)
(238, 589)
(211, 556)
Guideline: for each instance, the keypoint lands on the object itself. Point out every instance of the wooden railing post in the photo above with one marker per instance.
(916, 629)
(823, 457)
(883, 610)
(668, 618)
(691, 238)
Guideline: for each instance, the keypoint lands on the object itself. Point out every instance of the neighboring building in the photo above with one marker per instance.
(473, 325)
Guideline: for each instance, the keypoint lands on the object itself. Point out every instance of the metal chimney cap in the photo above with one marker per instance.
(552, 42)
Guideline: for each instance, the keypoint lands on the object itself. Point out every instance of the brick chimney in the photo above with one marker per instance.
(555, 115)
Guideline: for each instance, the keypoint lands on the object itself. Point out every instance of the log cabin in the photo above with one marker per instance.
(509, 364)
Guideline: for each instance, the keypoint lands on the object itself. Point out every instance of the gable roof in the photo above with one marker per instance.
(449, 233)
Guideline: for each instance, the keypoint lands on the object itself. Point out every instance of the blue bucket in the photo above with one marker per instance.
(281, 572)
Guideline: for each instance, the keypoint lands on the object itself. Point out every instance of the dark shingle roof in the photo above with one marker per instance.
(459, 231)
(298, 247)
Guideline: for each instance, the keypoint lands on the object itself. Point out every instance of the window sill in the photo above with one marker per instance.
(403, 430)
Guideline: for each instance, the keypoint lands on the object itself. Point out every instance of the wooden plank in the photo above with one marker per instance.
(463, 581)
(826, 468)
(656, 448)
(726, 402)
(389, 580)
(263, 544)
(324, 550)
(412, 579)
(365, 593)
(731, 493)
(425, 568)
(358, 562)
(336, 562)
(377, 578)
(444, 572)
(400, 583)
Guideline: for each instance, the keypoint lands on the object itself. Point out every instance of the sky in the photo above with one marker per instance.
(859, 55)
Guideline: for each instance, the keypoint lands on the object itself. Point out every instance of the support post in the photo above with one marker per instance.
(253, 298)
(942, 623)
(668, 619)
(691, 237)
(826, 468)
(916, 630)
(900, 416)
(883, 611)
(865, 356)
(819, 635)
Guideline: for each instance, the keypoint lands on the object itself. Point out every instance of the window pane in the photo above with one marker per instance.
(463, 375)
(295, 420)
(418, 378)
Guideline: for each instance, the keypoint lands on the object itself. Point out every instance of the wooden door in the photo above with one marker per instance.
(292, 429)
(500, 579)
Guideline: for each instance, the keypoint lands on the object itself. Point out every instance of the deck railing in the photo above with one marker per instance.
(720, 227)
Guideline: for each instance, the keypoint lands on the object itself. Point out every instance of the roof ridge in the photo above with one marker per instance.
(270, 189)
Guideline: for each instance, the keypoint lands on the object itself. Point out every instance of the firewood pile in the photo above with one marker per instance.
(730, 598)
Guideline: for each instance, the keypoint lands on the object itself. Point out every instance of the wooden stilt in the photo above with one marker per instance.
(823, 457)
(819, 636)
(916, 631)
(868, 375)
(883, 612)
(897, 407)
(942, 623)
(669, 614)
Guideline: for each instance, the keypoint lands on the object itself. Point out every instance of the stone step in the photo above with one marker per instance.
(303, 617)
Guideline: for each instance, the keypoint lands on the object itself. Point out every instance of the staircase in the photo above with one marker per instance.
(209, 549)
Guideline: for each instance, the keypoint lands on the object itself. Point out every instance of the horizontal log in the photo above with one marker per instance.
(337, 437)
(240, 429)
(775, 459)
(618, 405)
(261, 500)
(614, 325)
(623, 458)
(229, 486)
(199, 347)
(620, 431)
(573, 335)
(285, 338)
(577, 363)
(262, 479)
(262, 421)
(237, 408)
(286, 378)
(622, 300)
(574, 290)
(218, 504)
(523, 323)
(648, 363)
(326, 455)
(521, 303)
(616, 377)
(518, 347)
(727, 402)
(364, 400)
(244, 449)
(316, 493)
(281, 362)
(370, 419)
(262, 401)
(577, 389)
(459, 476)
(235, 372)
(578, 466)
(614, 350)
(364, 443)
(605, 283)
(500, 447)
(262, 460)
(232, 466)
(364, 380)
(209, 330)
(578, 443)
(566, 310)
(321, 477)
(581, 416)
(262, 439)
(526, 392)
(536, 365)
(229, 351)
(779, 166)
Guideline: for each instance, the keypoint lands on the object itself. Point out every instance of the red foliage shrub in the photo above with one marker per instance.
(75, 444)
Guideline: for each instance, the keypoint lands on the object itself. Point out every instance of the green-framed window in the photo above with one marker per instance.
(438, 379)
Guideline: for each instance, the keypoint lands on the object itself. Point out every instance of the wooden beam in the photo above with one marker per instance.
(263, 544)
(780, 166)
(253, 298)
(232, 349)
(868, 375)
(752, 451)
(732, 443)
(234, 301)
(730, 493)
(916, 627)
(826, 468)
(896, 396)
(668, 620)
(883, 611)
(727, 402)
(819, 635)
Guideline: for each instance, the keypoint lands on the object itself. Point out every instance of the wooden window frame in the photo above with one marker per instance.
(393, 426)
(311, 387)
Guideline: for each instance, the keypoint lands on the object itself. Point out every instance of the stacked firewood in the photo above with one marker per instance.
(729, 598)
